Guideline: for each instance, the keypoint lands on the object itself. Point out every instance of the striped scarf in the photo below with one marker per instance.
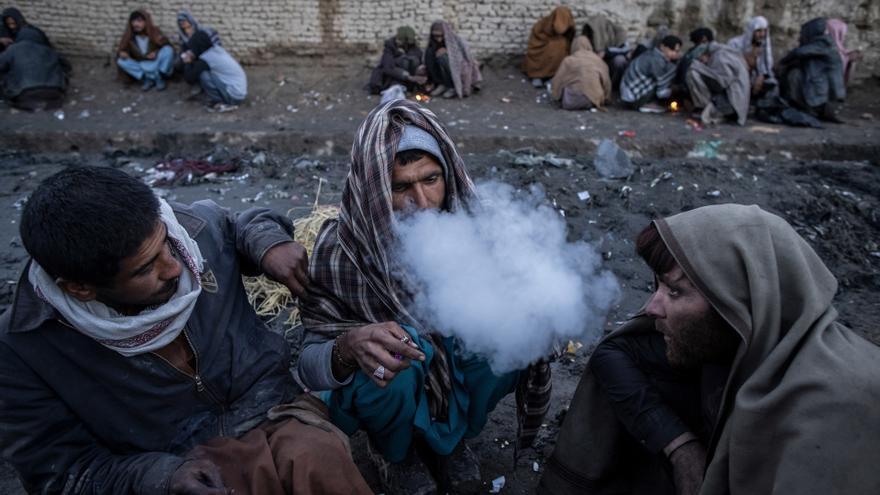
(353, 280)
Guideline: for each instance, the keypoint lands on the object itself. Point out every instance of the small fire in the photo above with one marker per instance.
(422, 98)
(673, 106)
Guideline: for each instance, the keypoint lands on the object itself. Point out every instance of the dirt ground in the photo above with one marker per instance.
(834, 205)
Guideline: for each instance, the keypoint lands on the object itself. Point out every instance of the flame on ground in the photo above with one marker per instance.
(673, 106)
(422, 98)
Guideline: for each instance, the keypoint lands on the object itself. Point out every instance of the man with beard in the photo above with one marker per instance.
(132, 362)
(734, 378)
(144, 53)
(411, 389)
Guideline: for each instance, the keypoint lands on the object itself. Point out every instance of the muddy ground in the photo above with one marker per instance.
(835, 205)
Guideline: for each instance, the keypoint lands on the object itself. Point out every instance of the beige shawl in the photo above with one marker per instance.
(605, 33)
(800, 407)
(728, 67)
(584, 71)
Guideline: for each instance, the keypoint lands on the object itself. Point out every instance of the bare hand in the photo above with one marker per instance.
(151, 56)
(379, 344)
(418, 79)
(187, 57)
(5, 41)
(441, 51)
(688, 464)
(124, 55)
(288, 264)
(197, 477)
(758, 85)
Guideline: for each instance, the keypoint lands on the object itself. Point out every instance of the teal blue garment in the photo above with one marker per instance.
(392, 415)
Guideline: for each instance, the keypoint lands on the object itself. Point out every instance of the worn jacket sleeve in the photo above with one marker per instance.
(254, 231)
(55, 453)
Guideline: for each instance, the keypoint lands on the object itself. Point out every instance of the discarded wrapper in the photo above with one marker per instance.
(498, 484)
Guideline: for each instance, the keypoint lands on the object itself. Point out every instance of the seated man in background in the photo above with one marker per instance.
(187, 26)
(812, 75)
(647, 83)
(718, 82)
(734, 378)
(14, 24)
(699, 37)
(754, 44)
(609, 42)
(451, 68)
(132, 362)
(221, 76)
(582, 80)
(145, 54)
(408, 387)
(549, 42)
(32, 73)
(401, 63)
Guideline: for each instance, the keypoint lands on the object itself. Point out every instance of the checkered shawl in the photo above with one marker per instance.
(353, 282)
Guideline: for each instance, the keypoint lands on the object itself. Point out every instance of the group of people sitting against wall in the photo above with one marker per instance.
(715, 81)
(34, 76)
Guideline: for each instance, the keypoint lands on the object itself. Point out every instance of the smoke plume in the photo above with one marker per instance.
(504, 280)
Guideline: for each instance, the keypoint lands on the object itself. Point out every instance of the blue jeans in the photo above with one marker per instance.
(150, 69)
(215, 89)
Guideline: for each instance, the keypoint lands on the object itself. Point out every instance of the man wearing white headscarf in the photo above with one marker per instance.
(132, 362)
(757, 49)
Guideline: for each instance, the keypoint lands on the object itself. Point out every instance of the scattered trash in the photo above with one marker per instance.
(88, 98)
(787, 155)
(573, 347)
(867, 116)
(662, 177)
(582, 128)
(256, 198)
(694, 125)
(259, 159)
(505, 99)
(764, 129)
(498, 484)
(179, 170)
(612, 162)
(529, 159)
(707, 149)
(304, 163)
(292, 109)
(535, 467)
(584, 195)
(84, 114)
(624, 191)
(126, 109)
(59, 114)
(629, 134)
(714, 194)
(19, 204)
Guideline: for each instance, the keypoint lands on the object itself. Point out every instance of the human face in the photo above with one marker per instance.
(694, 332)
(671, 54)
(147, 278)
(11, 24)
(437, 35)
(186, 26)
(138, 25)
(418, 185)
(758, 36)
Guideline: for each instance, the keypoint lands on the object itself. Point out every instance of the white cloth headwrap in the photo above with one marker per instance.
(743, 43)
(147, 331)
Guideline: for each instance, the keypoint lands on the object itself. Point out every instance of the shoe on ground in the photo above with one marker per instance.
(537, 82)
(652, 108)
(459, 471)
(148, 84)
(410, 477)
(221, 108)
(449, 93)
(161, 84)
(439, 90)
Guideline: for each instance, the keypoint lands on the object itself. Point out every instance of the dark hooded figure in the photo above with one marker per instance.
(14, 24)
(812, 73)
(401, 63)
(220, 76)
(32, 74)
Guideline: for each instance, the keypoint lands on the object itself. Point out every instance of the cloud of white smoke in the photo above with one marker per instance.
(504, 281)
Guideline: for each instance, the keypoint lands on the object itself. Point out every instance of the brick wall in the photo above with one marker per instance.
(256, 29)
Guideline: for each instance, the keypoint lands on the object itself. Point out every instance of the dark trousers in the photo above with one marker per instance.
(38, 99)
(439, 72)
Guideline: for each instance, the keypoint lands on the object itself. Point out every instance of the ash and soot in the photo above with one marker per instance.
(504, 280)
